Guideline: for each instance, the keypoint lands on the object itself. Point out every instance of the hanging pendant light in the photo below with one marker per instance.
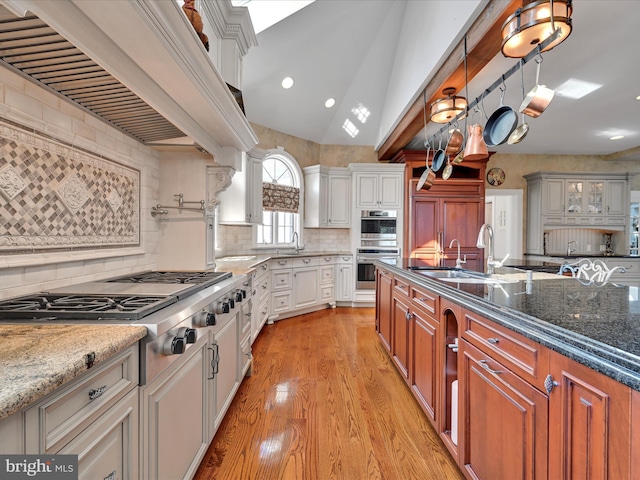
(445, 109)
(533, 23)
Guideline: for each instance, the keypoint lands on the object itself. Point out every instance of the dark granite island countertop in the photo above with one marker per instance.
(598, 326)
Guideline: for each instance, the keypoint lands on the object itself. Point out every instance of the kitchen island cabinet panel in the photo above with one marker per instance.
(423, 360)
(589, 423)
(400, 322)
(635, 433)
(11, 434)
(504, 420)
(383, 306)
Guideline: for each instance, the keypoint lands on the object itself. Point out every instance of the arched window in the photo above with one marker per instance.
(282, 202)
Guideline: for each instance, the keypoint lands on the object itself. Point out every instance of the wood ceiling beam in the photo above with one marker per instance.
(484, 40)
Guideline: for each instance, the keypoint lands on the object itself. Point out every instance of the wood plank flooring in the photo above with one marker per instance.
(325, 402)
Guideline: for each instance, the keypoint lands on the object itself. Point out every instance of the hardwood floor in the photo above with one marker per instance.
(325, 402)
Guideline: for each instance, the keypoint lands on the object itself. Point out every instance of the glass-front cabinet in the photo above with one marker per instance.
(584, 197)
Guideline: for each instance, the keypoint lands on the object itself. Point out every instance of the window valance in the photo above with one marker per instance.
(280, 198)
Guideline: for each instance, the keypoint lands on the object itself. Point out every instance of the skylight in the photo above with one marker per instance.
(265, 13)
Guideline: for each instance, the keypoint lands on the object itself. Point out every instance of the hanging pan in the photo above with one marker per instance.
(538, 99)
(428, 176)
(500, 124)
(519, 133)
(438, 158)
(454, 145)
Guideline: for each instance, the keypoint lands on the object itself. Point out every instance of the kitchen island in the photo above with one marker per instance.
(521, 379)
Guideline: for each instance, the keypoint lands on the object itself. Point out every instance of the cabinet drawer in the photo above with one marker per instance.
(281, 263)
(281, 302)
(262, 288)
(327, 274)
(306, 262)
(281, 280)
(425, 299)
(262, 270)
(326, 293)
(525, 357)
(400, 286)
(51, 423)
(344, 259)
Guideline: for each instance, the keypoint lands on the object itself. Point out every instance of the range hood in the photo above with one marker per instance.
(138, 65)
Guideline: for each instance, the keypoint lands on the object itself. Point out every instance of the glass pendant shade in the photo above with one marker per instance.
(446, 109)
(532, 24)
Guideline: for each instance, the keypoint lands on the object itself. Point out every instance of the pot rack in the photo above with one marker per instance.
(536, 51)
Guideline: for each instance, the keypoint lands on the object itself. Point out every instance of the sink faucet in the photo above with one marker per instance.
(459, 262)
(295, 239)
(569, 249)
(491, 263)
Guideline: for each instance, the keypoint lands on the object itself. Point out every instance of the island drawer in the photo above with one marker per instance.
(524, 357)
(400, 286)
(59, 417)
(425, 299)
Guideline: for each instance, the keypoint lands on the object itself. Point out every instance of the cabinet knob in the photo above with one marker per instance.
(493, 340)
(550, 383)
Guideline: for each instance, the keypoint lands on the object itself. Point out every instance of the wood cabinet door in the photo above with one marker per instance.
(461, 218)
(383, 307)
(400, 322)
(424, 225)
(503, 421)
(589, 424)
(423, 361)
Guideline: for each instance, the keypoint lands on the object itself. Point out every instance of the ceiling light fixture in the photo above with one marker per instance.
(444, 109)
(616, 137)
(533, 23)
(330, 102)
(287, 82)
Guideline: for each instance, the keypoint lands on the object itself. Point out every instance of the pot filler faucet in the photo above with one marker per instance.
(491, 263)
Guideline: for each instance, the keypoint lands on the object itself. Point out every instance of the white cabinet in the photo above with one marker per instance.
(345, 279)
(241, 202)
(301, 285)
(378, 186)
(174, 434)
(305, 286)
(574, 200)
(223, 378)
(95, 417)
(327, 197)
(260, 294)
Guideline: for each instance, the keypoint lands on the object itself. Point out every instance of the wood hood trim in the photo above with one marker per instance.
(484, 40)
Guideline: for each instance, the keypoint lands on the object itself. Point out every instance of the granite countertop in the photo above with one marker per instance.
(598, 326)
(239, 264)
(36, 359)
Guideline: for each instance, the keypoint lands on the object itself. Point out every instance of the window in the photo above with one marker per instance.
(279, 223)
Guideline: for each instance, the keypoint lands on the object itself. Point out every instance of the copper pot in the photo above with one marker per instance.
(454, 145)
(476, 148)
(538, 98)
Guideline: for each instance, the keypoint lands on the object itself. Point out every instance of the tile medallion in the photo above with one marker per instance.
(10, 182)
(57, 197)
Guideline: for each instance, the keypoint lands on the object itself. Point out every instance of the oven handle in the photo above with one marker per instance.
(215, 361)
(366, 259)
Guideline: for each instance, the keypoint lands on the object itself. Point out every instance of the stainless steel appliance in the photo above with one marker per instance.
(378, 228)
(366, 270)
(175, 307)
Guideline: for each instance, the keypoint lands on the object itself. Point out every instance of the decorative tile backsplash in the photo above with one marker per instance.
(54, 196)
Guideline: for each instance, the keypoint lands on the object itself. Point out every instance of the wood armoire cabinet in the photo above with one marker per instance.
(450, 209)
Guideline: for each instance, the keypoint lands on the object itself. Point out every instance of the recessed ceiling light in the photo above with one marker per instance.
(330, 102)
(638, 97)
(616, 137)
(574, 88)
(287, 82)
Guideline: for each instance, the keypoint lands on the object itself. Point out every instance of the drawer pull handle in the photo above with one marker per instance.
(97, 392)
(423, 299)
(493, 340)
(282, 262)
(306, 260)
(485, 365)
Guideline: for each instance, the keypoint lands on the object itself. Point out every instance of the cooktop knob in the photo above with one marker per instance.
(239, 296)
(232, 302)
(211, 319)
(173, 346)
(189, 334)
(222, 307)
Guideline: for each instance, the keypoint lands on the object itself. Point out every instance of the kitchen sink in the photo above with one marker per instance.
(462, 276)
